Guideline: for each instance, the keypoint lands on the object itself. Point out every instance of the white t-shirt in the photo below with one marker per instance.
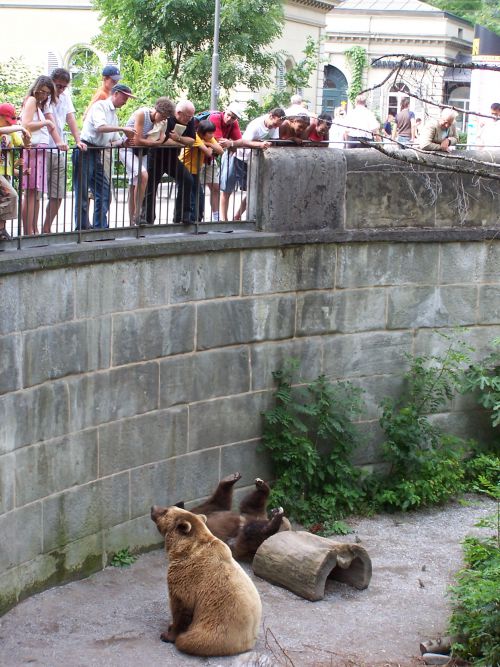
(361, 122)
(256, 131)
(101, 113)
(60, 110)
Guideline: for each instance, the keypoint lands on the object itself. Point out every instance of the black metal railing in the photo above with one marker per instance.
(63, 192)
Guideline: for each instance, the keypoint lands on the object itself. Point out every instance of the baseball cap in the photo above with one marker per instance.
(234, 107)
(112, 71)
(122, 88)
(9, 111)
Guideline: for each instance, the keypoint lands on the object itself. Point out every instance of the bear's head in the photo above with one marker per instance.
(180, 527)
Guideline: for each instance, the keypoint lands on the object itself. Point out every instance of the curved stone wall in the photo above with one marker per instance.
(136, 373)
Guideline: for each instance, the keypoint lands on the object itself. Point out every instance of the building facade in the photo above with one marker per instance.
(387, 27)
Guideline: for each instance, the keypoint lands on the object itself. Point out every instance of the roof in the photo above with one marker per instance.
(387, 6)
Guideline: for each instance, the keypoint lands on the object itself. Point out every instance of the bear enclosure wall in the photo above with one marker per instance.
(137, 373)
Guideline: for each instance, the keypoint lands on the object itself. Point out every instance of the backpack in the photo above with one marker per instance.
(202, 115)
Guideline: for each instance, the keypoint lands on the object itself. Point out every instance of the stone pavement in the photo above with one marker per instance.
(114, 618)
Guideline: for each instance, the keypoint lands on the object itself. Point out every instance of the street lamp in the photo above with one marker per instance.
(214, 90)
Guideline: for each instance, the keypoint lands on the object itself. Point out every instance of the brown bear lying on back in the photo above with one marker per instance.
(243, 532)
(216, 609)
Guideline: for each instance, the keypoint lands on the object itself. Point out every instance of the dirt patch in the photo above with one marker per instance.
(115, 617)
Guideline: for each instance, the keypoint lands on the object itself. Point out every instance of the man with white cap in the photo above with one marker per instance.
(228, 135)
(100, 130)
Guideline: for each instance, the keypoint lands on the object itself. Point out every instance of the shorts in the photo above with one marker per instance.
(233, 172)
(56, 173)
(210, 173)
(8, 200)
(133, 163)
(34, 160)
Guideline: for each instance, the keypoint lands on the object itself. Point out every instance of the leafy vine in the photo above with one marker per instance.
(356, 57)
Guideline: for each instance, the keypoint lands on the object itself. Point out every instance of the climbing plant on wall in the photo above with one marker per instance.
(356, 57)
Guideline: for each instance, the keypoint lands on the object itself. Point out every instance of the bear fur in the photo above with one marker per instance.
(216, 609)
(243, 532)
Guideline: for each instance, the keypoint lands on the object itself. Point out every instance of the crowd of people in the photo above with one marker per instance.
(203, 152)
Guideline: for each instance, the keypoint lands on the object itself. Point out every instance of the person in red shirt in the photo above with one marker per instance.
(320, 131)
(228, 135)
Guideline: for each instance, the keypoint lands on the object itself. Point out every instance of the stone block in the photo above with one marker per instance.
(269, 357)
(405, 199)
(340, 311)
(155, 282)
(149, 334)
(417, 307)
(26, 579)
(114, 395)
(67, 349)
(80, 558)
(469, 263)
(380, 264)
(131, 443)
(135, 535)
(10, 363)
(32, 415)
(375, 389)
(354, 355)
(7, 469)
(55, 465)
(467, 201)
(318, 195)
(187, 379)
(21, 536)
(475, 425)
(304, 267)
(182, 478)
(84, 511)
(233, 322)
(489, 304)
(227, 420)
(249, 459)
(368, 451)
(29, 300)
(204, 276)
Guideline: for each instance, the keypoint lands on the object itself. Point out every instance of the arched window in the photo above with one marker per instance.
(85, 68)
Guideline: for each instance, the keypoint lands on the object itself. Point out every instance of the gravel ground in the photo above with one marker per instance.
(114, 618)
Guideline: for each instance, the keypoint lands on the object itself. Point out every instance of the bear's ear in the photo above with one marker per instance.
(180, 504)
(184, 527)
(203, 517)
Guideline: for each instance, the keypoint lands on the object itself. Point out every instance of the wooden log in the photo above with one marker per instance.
(302, 562)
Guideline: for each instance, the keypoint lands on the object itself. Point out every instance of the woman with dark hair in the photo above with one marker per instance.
(36, 117)
(404, 131)
(149, 124)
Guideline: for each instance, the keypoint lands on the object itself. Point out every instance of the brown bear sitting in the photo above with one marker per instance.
(216, 609)
(243, 532)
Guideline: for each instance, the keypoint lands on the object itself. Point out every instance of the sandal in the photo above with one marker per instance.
(4, 235)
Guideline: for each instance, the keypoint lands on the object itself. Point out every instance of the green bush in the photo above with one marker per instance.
(310, 436)
(475, 620)
(424, 464)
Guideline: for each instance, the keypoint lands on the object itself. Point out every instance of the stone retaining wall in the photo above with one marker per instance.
(136, 373)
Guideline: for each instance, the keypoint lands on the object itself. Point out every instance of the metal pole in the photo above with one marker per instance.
(214, 91)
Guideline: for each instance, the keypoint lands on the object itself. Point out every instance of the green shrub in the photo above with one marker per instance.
(310, 436)
(484, 379)
(475, 620)
(424, 464)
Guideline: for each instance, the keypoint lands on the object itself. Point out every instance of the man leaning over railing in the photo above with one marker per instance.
(100, 131)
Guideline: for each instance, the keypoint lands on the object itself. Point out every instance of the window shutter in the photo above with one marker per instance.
(52, 62)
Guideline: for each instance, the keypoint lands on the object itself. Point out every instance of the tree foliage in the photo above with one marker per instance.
(16, 77)
(179, 33)
(483, 12)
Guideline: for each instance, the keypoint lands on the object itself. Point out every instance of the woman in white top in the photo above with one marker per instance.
(36, 117)
(149, 125)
